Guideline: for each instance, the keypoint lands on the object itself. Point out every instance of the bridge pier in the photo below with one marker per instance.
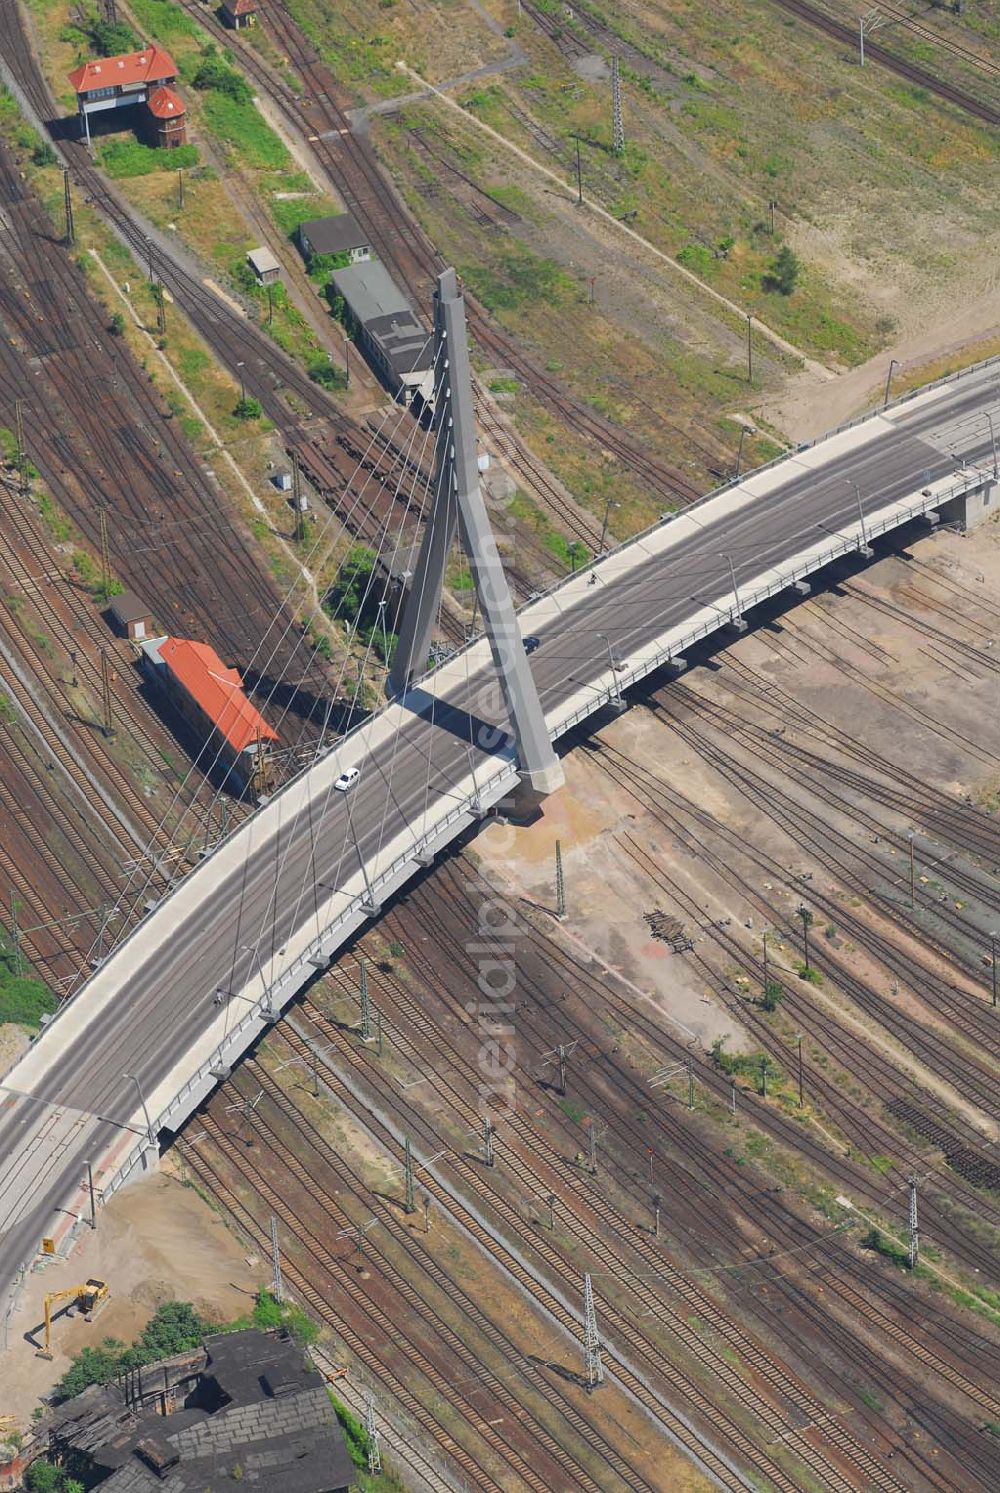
(974, 507)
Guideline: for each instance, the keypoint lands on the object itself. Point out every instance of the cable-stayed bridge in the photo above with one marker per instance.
(171, 1009)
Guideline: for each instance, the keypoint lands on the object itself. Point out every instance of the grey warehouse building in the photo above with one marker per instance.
(392, 339)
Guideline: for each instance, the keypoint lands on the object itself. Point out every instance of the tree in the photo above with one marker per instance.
(773, 995)
(783, 272)
(113, 38)
(807, 919)
(116, 326)
(248, 408)
(42, 1477)
(577, 554)
(43, 154)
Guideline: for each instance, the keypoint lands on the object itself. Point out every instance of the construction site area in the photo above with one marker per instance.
(647, 1141)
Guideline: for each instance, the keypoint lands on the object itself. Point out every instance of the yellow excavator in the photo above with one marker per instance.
(88, 1300)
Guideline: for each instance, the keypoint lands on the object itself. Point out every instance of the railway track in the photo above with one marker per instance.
(875, 52)
(359, 180)
(577, 1194)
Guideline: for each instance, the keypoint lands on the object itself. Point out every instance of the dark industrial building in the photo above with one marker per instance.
(396, 346)
(239, 14)
(144, 77)
(339, 234)
(245, 1409)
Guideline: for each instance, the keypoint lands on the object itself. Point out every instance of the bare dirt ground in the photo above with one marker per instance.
(156, 1241)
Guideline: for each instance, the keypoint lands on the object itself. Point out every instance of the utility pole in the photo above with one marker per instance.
(914, 1227)
(618, 125)
(409, 1204)
(690, 1082)
(277, 1284)
(763, 1075)
(105, 555)
(765, 966)
(560, 884)
(371, 1430)
(15, 934)
(300, 522)
(489, 1154)
(732, 1096)
(579, 175)
(366, 1005)
(770, 207)
(870, 22)
(551, 1200)
(22, 457)
(807, 918)
(913, 887)
(604, 526)
(426, 1203)
(749, 348)
(149, 255)
(799, 1034)
(592, 1136)
(657, 1204)
(109, 725)
(180, 187)
(739, 452)
(562, 1069)
(378, 1032)
(90, 1190)
(161, 310)
(993, 962)
(270, 302)
(593, 1367)
(68, 201)
(893, 363)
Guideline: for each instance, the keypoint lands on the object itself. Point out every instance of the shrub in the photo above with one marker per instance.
(43, 154)
(248, 408)
(112, 37)
(783, 272)
(116, 326)
(216, 74)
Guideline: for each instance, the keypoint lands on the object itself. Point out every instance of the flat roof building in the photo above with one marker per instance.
(392, 339)
(265, 265)
(130, 616)
(339, 234)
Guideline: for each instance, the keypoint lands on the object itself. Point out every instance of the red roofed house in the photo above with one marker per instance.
(210, 698)
(238, 14)
(143, 77)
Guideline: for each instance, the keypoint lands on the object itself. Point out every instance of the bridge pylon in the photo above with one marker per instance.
(458, 506)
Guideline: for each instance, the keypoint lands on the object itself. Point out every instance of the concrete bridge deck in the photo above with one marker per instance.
(274, 901)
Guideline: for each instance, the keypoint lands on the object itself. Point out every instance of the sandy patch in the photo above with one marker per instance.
(157, 1241)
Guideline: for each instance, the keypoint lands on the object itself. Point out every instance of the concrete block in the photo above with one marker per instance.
(802, 587)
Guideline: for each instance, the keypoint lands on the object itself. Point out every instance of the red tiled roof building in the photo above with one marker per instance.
(238, 14)
(211, 699)
(143, 77)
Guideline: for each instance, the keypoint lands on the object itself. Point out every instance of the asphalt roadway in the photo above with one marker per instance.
(79, 1108)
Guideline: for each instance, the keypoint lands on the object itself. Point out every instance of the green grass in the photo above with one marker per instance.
(23, 999)
(246, 136)
(123, 157)
(518, 279)
(163, 21)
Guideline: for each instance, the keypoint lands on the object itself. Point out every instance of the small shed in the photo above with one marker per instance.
(130, 617)
(282, 481)
(265, 266)
(339, 234)
(239, 14)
